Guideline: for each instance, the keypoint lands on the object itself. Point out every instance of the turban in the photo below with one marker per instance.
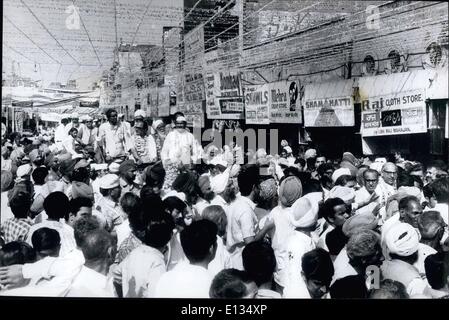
(109, 181)
(157, 123)
(290, 190)
(360, 221)
(126, 166)
(288, 149)
(349, 157)
(311, 153)
(267, 189)
(82, 190)
(235, 169)
(172, 193)
(67, 166)
(7, 180)
(140, 114)
(219, 182)
(114, 167)
(344, 193)
(185, 182)
(340, 172)
(218, 160)
(402, 239)
(24, 170)
(204, 184)
(411, 191)
(155, 173)
(304, 213)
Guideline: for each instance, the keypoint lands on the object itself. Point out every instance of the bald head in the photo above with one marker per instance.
(430, 223)
(389, 173)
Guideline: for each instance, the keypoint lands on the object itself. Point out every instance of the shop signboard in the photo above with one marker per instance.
(329, 104)
(394, 114)
(224, 95)
(257, 104)
(285, 102)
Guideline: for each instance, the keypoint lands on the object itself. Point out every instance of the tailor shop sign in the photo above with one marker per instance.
(394, 114)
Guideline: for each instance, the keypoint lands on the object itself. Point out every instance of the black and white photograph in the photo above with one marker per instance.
(222, 150)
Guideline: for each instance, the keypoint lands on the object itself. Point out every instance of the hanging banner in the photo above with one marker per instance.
(194, 47)
(152, 102)
(163, 99)
(19, 118)
(285, 102)
(194, 95)
(224, 95)
(256, 104)
(394, 114)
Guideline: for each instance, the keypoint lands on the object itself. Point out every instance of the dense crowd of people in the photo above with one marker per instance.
(100, 208)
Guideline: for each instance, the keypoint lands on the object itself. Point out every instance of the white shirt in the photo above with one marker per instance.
(141, 271)
(222, 258)
(242, 223)
(180, 147)
(60, 134)
(66, 234)
(342, 268)
(184, 281)
(92, 284)
(297, 245)
(50, 277)
(362, 195)
(282, 233)
(123, 231)
(5, 212)
(69, 145)
(117, 140)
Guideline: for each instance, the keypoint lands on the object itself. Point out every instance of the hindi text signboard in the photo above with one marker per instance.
(394, 114)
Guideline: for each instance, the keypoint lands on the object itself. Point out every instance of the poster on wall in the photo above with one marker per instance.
(285, 102)
(194, 47)
(19, 118)
(152, 102)
(257, 104)
(224, 95)
(163, 96)
(394, 114)
(194, 95)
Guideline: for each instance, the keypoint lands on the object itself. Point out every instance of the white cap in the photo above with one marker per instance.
(109, 181)
(340, 172)
(344, 193)
(140, 114)
(24, 170)
(181, 119)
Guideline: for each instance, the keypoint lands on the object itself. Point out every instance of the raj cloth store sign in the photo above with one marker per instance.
(257, 101)
(224, 96)
(394, 114)
(285, 102)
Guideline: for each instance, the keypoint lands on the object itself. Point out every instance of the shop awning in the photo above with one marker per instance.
(329, 104)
